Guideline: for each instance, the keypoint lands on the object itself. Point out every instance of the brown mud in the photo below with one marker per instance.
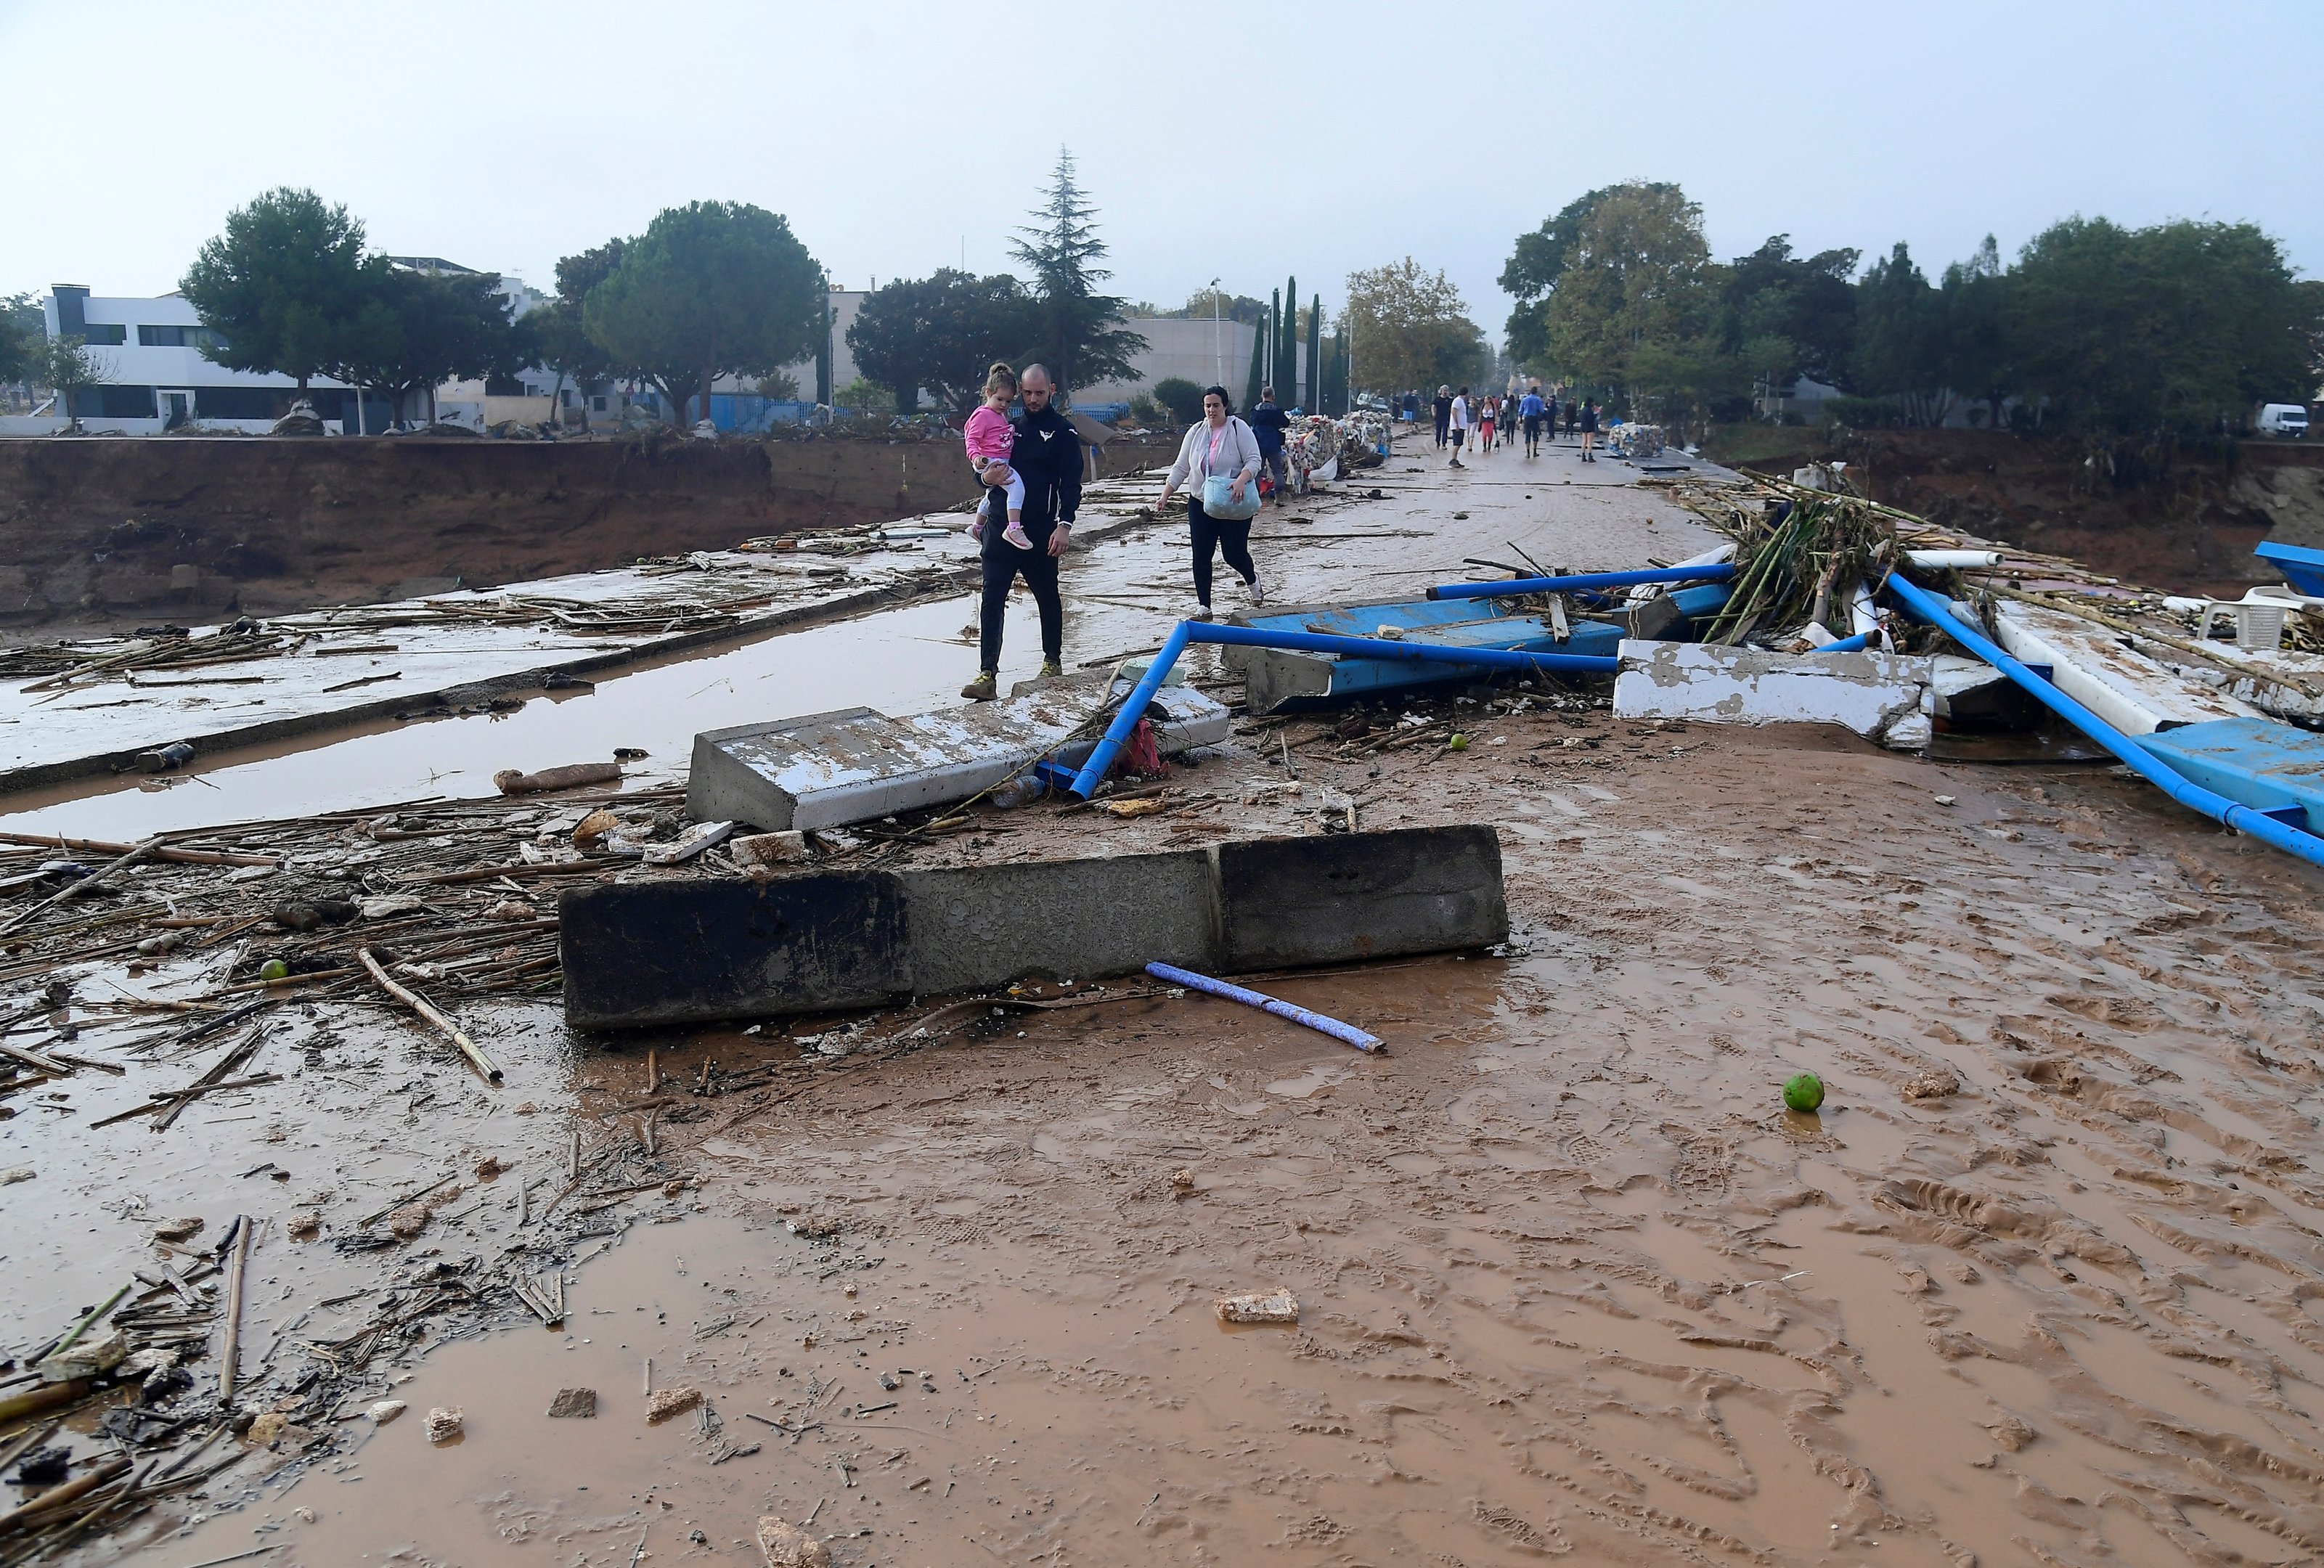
(1572, 1282)
(107, 534)
(2042, 1283)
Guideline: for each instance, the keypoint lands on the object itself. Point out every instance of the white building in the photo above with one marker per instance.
(1193, 349)
(156, 379)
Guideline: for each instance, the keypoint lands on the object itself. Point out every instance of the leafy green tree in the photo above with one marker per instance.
(709, 289)
(1182, 398)
(1240, 307)
(415, 330)
(281, 285)
(1077, 331)
(2170, 328)
(1409, 329)
(1980, 358)
(1633, 307)
(71, 368)
(863, 397)
(1900, 347)
(555, 333)
(23, 338)
(942, 332)
(1784, 315)
(1536, 267)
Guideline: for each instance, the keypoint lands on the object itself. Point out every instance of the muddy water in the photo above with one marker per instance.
(1124, 594)
(1573, 1283)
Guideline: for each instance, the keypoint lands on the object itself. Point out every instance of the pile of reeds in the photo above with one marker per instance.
(1799, 563)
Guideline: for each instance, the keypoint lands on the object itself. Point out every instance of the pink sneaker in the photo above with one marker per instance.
(1015, 534)
(977, 529)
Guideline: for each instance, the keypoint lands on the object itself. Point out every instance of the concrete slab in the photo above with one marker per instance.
(1288, 902)
(1882, 696)
(856, 765)
(2098, 668)
(702, 949)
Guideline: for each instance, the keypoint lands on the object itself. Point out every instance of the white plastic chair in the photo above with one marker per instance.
(2258, 617)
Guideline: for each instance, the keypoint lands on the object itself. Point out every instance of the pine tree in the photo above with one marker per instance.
(1286, 347)
(1314, 401)
(1078, 331)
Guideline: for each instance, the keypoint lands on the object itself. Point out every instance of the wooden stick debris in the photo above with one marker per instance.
(419, 1004)
(232, 1362)
(77, 888)
(163, 1101)
(192, 857)
(57, 1497)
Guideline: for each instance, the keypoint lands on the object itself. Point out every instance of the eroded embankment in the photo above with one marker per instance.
(98, 531)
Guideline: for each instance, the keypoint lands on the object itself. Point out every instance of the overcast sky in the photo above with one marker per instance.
(1243, 141)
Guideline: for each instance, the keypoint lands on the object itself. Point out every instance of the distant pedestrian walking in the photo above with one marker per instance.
(1460, 426)
(1219, 453)
(1573, 415)
(1530, 408)
(1443, 407)
(1589, 430)
(1268, 423)
(1487, 412)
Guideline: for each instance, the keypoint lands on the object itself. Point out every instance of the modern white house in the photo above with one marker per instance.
(156, 379)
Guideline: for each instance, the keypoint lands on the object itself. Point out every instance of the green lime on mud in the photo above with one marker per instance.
(1803, 1092)
(275, 969)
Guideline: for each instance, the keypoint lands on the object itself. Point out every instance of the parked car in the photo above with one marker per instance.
(2287, 421)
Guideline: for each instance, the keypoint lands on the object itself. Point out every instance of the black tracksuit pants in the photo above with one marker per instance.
(1230, 537)
(1005, 563)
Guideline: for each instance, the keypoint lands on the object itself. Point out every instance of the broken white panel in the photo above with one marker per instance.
(2098, 667)
(822, 771)
(1879, 695)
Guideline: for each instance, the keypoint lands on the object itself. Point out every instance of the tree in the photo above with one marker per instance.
(281, 286)
(1181, 397)
(863, 397)
(1900, 345)
(1077, 330)
(72, 367)
(1240, 307)
(1285, 372)
(1257, 377)
(942, 332)
(709, 289)
(823, 387)
(415, 330)
(1315, 399)
(1980, 361)
(1409, 329)
(1537, 264)
(1632, 306)
(1784, 317)
(555, 335)
(23, 338)
(2155, 330)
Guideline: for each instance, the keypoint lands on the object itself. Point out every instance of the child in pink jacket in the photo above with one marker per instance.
(990, 449)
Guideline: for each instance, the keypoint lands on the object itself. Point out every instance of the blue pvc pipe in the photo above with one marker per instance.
(1276, 1005)
(1718, 572)
(1856, 644)
(1133, 708)
(2232, 814)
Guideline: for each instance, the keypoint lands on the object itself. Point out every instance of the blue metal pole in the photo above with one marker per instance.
(2242, 818)
(1317, 1021)
(1133, 707)
(1718, 572)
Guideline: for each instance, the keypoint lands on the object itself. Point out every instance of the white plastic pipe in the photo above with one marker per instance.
(1953, 560)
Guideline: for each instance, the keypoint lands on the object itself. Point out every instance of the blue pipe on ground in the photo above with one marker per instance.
(1856, 644)
(1260, 999)
(1133, 708)
(2242, 818)
(1718, 572)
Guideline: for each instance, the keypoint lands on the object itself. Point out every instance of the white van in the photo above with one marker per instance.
(2288, 421)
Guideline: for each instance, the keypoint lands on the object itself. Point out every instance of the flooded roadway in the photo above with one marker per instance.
(1573, 1283)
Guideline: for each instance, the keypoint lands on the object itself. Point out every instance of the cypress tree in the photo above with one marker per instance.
(1315, 355)
(1286, 347)
(1258, 367)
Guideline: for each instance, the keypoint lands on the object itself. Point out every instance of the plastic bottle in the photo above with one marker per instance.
(1021, 791)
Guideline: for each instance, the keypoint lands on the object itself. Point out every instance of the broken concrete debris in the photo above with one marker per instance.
(444, 1422)
(574, 1404)
(664, 1402)
(1279, 1307)
(703, 950)
(784, 1545)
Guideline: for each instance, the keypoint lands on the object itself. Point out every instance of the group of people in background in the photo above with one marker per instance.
(1030, 466)
(1477, 424)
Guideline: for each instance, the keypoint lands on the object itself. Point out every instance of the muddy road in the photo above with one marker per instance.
(2041, 1283)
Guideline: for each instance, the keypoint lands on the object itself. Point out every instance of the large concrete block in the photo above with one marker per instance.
(701, 949)
(1285, 902)
(692, 951)
(857, 765)
(1879, 695)
(1071, 918)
